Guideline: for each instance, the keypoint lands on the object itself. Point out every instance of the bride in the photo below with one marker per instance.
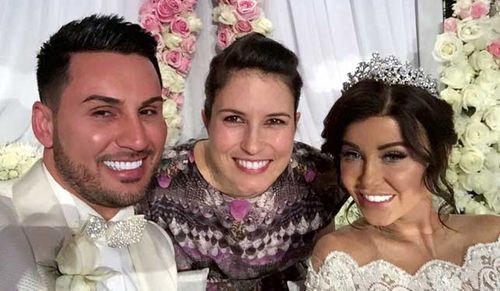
(390, 138)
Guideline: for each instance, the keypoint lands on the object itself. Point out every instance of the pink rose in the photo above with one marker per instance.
(159, 39)
(242, 26)
(450, 24)
(224, 36)
(167, 9)
(184, 66)
(188, 44)
(150, 23)
(228, 2)
(494, 48)
(178, 98)
(147, 8)
(248, 9)
(479, 9)
(180, 26)
(172, 57)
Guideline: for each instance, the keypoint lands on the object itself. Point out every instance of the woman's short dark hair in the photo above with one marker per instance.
(252, 51)
(426, 125)
(95, 33)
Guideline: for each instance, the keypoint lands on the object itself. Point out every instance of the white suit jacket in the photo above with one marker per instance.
(44, 230)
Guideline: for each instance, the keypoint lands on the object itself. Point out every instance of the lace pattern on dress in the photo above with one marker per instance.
(480, 271)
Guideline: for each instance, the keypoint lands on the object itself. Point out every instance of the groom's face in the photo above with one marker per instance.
(109, 130)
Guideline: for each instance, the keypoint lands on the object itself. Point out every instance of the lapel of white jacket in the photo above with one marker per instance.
(42, 217)
(154, 260)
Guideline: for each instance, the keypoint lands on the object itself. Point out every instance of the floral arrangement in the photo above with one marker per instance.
(469, 49)
(175, 26)
(16, 159)
(237, 18)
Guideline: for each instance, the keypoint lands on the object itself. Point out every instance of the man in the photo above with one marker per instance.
(100, 121)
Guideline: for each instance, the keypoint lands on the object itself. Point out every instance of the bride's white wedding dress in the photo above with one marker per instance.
(480, 271)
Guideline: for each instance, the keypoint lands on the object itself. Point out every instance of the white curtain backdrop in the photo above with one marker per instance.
(329, 36)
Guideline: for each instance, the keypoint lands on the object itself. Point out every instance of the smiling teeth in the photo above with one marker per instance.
(122, 166)
(378, 198)
(252, 165)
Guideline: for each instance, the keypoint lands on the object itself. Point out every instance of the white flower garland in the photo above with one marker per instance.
(469, 49)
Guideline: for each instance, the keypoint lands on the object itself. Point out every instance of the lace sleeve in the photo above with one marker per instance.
(337, 273)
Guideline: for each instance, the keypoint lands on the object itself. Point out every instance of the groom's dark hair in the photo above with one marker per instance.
(95, 33)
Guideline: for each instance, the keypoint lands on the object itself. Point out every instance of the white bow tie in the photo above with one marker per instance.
(117, 233)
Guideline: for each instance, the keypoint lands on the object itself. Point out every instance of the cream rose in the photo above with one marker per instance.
(492, 161)
(492, 117)
(460, 122)
(194, 23)
(455, 77)
(171, 80)
(447, 47)
(482, 60)
(452, 97)
(171, 40)
(488, 80)
(469, 29)
(454, 158)
(471, 160)
(476, 133)
(473, 96)
(481, 182)
(468, 48)
(493, 198)
(262, 25)
(451, 176)
(224, 14)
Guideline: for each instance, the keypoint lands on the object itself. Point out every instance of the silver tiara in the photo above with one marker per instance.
(391, 71)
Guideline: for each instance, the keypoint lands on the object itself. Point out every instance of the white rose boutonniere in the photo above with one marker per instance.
(76, 263)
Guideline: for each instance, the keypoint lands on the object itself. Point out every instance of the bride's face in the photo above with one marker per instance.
(379, 171)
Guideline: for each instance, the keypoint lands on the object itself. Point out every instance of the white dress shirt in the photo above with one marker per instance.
(76, 213)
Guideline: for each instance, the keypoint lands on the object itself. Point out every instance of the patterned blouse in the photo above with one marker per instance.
(248, 244)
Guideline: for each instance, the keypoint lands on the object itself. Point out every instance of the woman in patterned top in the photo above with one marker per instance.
(390, 139)
(248, 202)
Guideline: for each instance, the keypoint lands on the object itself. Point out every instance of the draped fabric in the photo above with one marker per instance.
(330, 38)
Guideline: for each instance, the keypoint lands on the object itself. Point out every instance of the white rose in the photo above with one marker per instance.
(447, 47)
(492, 117)
(488, 80)
(468, 48)
(471, 160)
(492, 161)
(482, 182)
(9, 160)
(171, 40)
(469, 29)
(224, 14)
(473, 96)
(171, 80)
(262, 25)
(169, 109)
(474, 207)
(451, 176)
(482, 60)
(454, 156)
(173, 136)
(194, 23)
(495, 20)
(476, 133)
(460, 5)
(493, 197)
(452, 97)
(455, 77)
(460, 122)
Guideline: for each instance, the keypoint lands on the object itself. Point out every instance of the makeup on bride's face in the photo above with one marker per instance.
(379, 172)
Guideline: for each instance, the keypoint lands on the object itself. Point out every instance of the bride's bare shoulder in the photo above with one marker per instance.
(479, 228)
(351, 239)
